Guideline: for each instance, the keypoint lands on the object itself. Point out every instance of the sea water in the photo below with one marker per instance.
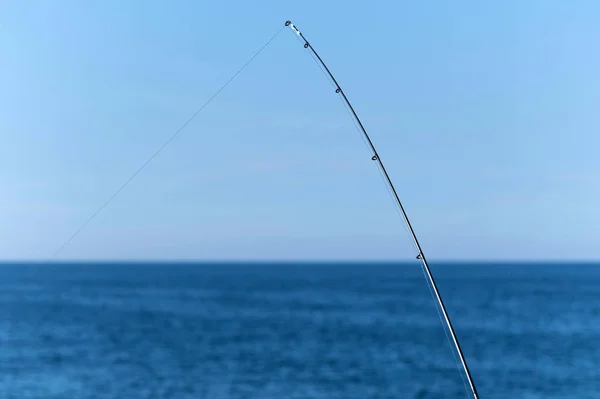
(297, 330)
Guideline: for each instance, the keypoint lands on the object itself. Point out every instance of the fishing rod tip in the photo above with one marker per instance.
(291, 25)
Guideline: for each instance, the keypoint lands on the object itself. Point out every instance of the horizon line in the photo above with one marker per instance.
(292, 261)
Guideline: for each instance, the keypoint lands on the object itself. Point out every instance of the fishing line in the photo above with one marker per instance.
(446, 332)
(362, 137)
(333, 84)
(381, 175)
(321, 69)
(378, 169)
(166, 143)
(429, 287)
(355, 126)
(420, 255)
(435, 304)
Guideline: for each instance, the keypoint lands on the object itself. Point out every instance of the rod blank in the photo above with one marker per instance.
(420, 255)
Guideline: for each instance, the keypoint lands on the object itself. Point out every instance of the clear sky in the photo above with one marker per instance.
(485, 113)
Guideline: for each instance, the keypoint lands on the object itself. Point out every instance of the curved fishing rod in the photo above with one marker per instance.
(377, 158)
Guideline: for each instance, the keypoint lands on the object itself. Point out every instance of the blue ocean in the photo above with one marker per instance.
(297, 330)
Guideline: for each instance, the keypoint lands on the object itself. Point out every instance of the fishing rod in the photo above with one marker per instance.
(377, 158)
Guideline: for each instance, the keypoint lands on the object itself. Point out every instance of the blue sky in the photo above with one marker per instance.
(486, 115)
